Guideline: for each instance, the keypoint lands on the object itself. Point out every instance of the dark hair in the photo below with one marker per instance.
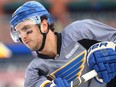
(51, 26)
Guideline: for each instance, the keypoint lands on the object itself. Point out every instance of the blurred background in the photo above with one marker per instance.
(14, 57)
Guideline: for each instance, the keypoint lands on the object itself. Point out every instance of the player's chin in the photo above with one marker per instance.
(30, 47)
(33, 48)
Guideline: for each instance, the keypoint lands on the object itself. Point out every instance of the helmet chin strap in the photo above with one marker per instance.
(43, 41)
(44, 38)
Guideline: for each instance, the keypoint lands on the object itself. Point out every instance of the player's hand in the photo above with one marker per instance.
(58, 82)
(102, 58)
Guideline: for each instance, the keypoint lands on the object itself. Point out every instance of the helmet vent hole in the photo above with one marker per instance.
(37, 18)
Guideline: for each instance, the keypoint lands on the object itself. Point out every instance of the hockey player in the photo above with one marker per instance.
(31, 24)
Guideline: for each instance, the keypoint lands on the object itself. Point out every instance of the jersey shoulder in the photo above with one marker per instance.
(80, 25)
(76, 29)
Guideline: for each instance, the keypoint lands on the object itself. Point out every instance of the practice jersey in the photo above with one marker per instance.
(68, 44)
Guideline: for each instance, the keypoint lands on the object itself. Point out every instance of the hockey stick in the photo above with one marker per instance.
(84, 78)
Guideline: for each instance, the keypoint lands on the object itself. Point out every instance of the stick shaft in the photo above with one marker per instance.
(86, 77)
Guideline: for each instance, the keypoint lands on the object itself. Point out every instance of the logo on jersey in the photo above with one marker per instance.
(72, 51)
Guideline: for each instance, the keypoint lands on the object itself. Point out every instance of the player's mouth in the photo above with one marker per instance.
(27, 42)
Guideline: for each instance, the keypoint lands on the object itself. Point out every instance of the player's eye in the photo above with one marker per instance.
(28, 32)
(26, 28)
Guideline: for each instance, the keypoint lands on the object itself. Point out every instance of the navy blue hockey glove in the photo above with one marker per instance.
(58, 82)
(102, 58)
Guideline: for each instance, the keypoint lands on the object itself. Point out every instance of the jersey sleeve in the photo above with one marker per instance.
(33, 75)
(89, 29)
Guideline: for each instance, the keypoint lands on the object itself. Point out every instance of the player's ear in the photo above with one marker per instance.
(44, 26)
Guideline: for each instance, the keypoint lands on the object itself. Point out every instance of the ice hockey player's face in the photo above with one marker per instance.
(30, 34)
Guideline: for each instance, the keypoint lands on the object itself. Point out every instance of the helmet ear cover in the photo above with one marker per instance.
(50, 24)
(45, 17)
